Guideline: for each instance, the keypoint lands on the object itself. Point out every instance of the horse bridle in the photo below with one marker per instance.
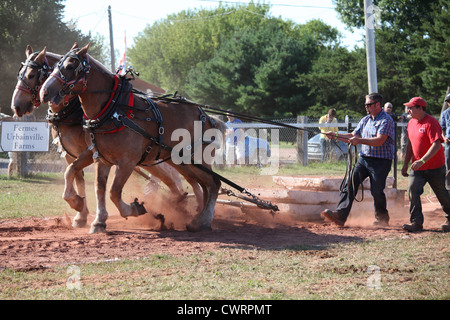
(81, 73)
(43, 73)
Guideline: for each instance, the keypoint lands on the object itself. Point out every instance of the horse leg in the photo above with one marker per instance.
(77, 200)
(170, 178)
(102, 172)
(210, 186)
(134, 209)
(190, 177)
(80, 219)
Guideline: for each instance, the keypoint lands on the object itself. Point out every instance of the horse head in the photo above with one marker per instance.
(69, 77)
(30, 77)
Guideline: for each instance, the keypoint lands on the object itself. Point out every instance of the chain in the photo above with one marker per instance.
(263, 204)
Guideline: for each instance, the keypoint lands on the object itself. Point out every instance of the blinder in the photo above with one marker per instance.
(81, 71)
(43, 73)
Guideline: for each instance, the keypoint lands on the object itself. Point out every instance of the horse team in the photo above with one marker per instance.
(98, 117)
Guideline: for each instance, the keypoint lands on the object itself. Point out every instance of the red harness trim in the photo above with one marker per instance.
(128, 112)
(116, 84)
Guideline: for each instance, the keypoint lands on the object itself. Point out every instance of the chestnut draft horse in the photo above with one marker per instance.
(139, 131)
(66, 122)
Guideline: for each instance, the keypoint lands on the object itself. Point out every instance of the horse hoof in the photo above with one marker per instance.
(98, 228)
(195, 228)
(79, 223)
(140, 209)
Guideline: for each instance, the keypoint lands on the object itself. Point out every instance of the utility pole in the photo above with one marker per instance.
(111, 41)
(370, 45)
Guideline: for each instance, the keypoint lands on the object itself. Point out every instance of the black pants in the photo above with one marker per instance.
(377, 170)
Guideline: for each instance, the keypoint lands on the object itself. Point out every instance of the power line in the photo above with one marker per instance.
(274, 5)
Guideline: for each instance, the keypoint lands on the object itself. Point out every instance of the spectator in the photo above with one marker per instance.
(426, 154)
(388, 108)
(445, 124)
(404, 118)
(235, 149)
(325, 142)
(376, 134)
(4, 116)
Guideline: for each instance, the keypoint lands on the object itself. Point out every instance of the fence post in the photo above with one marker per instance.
(395, 156)
(302, 143)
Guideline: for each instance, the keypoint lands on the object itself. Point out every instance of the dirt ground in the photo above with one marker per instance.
(40, 243)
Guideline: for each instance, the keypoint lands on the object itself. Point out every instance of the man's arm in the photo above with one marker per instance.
(408, 157)
(373, 142)
(435, 147)
(341, 136)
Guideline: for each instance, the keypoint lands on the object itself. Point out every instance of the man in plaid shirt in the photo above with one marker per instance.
(376, 134)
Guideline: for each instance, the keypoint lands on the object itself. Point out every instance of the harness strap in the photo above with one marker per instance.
(71, 115)
(159, 120)
(108, 104)
(133, 126)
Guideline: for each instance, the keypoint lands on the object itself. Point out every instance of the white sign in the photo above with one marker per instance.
(25, 136)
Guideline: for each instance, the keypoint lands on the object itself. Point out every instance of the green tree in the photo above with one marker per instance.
(412, 47)
(436, 52)
(165, 52)
(338, 79)
(255, 71)
(39, 24)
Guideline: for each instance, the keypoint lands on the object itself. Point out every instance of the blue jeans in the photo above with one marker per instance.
(377, 170)
(447, 164)
(325, 146)
(417, 180)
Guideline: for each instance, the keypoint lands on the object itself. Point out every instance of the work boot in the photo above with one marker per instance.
(446, 226)
(333, 216)
(413, 227)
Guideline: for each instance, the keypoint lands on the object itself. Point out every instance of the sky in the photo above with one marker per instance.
(132, 16)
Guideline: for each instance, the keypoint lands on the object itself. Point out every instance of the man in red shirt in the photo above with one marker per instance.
(426, 154)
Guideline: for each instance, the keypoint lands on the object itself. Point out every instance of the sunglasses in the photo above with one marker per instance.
(370, 104)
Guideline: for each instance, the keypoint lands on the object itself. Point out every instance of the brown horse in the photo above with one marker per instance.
(66, 123)
(31, 76)
(143, 130)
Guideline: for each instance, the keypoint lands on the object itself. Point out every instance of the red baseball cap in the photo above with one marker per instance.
(416, 101)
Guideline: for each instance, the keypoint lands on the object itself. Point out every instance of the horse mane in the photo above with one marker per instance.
(99, 66)
(55, 56)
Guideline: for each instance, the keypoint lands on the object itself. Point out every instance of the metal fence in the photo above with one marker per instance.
(298, 138)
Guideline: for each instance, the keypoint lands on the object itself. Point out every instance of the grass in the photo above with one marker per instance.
(40, 195)
(37, 195)
(406, 268)
(414, 268)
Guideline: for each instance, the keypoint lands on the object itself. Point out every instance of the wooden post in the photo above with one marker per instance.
(395, 156)
(302, 143)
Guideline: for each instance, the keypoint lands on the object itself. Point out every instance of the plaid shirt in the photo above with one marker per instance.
(370, 128)
(445, 122)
